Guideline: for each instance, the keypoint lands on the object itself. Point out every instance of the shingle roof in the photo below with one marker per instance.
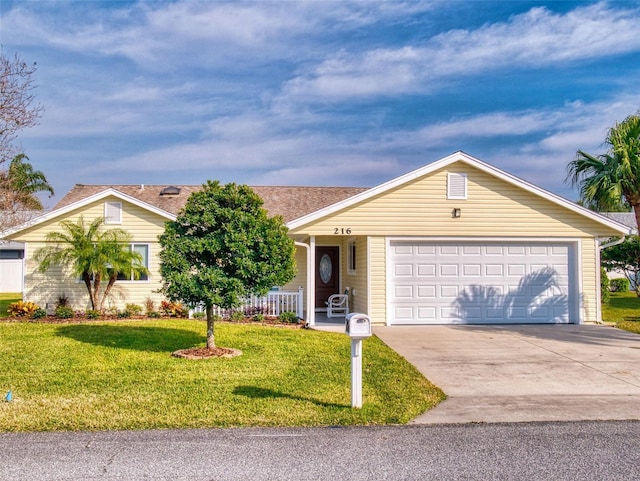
(289, 202)
(625, 218)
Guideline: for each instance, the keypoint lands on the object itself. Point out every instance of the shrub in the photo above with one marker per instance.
(289, 317)
(63, 300)
(39, 313)
(199, 315)
(259, 317)
(64, 312)
(604, 286)
(92, 314)
(154, 314)
(22, 308)
(172, 309)
(134, 309)
(149, 306)
(619, 285)
(124, 314)
(237, 316)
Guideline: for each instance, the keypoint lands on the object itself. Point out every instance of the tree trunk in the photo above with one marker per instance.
(636, 211)
(112, 281)
(87, 282)
(211, 338)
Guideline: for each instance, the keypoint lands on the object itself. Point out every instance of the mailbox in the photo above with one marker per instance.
(357, 325)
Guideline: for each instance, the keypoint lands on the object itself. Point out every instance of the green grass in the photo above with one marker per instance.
(5, 300)
(120, 375)
(624, 310)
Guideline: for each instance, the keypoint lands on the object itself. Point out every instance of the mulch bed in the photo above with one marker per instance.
(206, 353)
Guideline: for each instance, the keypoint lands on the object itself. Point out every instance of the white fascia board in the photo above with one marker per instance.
(88, 200)
(472, 161)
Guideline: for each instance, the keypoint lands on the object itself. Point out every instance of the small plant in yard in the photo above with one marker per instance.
(289, 317)
(22, 308)
(259, 317)
(124, 314)
(154, 314)
(64, 312)
(172, 309)
(619, 285)
(92, 314)
(62, 300)
(149, 306)
(199, 315)
(134, 309)
(39, 313)
(237, 316)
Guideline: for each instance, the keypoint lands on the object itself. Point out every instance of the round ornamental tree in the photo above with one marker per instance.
(223, 247)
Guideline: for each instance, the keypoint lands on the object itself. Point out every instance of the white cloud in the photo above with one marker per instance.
(538, 38)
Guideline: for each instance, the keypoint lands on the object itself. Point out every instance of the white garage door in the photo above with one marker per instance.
(480, 283)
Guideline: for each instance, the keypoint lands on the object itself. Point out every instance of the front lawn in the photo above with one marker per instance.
(624, 309)
(120, 375)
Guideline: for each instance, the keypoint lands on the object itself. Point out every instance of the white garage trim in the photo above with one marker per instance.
(450, 281)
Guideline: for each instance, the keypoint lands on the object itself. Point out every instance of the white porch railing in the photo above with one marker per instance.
(273, 303)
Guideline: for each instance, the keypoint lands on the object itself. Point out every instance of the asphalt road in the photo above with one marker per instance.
(533, 451)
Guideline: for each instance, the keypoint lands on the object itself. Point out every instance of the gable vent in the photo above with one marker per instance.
(456, 186)
(171, 190)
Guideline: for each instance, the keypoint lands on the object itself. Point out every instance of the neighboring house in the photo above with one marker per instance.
(12, 253)
(628, 219)
(456, 241)
(11, 267)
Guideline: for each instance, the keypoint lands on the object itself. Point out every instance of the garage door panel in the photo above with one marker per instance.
(449, 270)
(449, 292)
(405, 292)
(485, 283)
(471, 270)
(404, 270)
(426, 292)
(426, 270)
(448, 250)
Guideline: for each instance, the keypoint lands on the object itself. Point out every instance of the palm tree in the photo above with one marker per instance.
(93, 254)
(20, 184)
(609, 180)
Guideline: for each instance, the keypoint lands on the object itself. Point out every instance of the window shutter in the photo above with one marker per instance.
(456, 186)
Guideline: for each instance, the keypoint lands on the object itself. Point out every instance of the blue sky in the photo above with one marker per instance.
(320, 92)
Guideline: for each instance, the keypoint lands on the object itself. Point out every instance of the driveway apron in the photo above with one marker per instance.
(524, 373)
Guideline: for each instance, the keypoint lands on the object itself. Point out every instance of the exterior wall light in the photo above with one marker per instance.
(455, 213)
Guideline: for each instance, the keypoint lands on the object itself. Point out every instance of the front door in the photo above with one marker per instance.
(327, 274)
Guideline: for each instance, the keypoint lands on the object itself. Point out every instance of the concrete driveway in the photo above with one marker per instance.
(524, 373)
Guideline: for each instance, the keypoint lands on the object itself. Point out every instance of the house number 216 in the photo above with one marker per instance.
(341, 230)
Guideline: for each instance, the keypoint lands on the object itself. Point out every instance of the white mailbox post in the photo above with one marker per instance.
(358, 326)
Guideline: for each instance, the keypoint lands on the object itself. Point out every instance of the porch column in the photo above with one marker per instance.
(311, 281)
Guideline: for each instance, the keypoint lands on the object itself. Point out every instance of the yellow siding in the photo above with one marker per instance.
(44, 288)
(356, 281)
(493, 208)
(590, 284)
(300, 280)
(377, 280)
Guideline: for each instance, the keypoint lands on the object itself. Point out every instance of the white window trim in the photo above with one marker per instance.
(136, 281)
(110, 219)
(453, 180)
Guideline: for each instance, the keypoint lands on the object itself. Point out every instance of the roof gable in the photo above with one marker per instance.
(440, 164)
